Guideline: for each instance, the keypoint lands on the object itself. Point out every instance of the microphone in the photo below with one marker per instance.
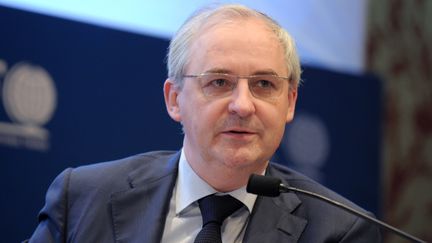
(272, 187)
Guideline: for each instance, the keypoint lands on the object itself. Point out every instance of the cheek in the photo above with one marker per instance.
(207, 116)
(271, 112)
(200, 117)
(273, 119)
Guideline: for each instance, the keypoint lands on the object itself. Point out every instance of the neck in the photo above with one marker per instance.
(225, 178)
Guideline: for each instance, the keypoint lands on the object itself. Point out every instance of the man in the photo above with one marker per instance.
(233, 77)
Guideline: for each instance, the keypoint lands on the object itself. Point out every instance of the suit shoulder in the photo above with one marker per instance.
(114, 174)
(125, 165)
(339, 224)
(296, 179)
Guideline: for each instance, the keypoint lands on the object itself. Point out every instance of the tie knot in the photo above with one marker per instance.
(218, 208)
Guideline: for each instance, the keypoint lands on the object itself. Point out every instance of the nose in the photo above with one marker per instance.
(242, 101)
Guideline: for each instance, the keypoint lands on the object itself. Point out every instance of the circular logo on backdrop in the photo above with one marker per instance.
(307, 141)
(29, 94)
(3, 67)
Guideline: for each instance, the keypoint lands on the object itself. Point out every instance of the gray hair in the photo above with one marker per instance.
(179, 48)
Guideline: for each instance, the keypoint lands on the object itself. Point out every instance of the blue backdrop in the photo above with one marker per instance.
(104, 88)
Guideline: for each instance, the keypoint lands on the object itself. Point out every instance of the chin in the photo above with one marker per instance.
(239, 157)
(239, 161)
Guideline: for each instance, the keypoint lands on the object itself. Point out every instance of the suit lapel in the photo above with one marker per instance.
(272, 219)
(138, 214)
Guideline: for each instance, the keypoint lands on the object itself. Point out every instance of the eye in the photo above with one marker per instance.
(263, 83)
(217, 85)
(220, 82)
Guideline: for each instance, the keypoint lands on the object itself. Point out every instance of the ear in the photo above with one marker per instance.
(292, 99)
(171, 92)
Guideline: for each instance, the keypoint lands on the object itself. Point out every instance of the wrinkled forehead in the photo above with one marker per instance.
(234, 33)
(248, 35)
(237, 47)
(220, 20)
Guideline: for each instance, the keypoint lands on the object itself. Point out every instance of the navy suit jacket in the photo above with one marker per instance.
(128, 200)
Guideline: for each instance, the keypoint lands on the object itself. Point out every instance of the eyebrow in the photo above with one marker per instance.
(266, 72)
(219, 70)
(226, 71)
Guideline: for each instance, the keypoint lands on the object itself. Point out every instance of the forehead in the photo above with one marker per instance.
(242, 46)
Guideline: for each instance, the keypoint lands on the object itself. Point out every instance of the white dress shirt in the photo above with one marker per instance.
(184, 217)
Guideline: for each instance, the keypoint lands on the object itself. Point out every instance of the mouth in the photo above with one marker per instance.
(239, 135)
(239, 132)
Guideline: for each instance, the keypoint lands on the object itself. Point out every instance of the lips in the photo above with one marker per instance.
(239, 132)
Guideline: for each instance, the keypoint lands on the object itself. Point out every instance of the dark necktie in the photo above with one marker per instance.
(214, 210)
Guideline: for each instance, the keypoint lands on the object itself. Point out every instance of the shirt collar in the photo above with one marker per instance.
(190, 187)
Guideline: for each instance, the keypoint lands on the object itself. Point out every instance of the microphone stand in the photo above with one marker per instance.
(401, 233)
(272, 187)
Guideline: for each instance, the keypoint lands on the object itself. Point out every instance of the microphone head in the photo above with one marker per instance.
(264, 185)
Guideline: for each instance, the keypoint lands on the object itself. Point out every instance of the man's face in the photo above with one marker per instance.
(239, 131)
